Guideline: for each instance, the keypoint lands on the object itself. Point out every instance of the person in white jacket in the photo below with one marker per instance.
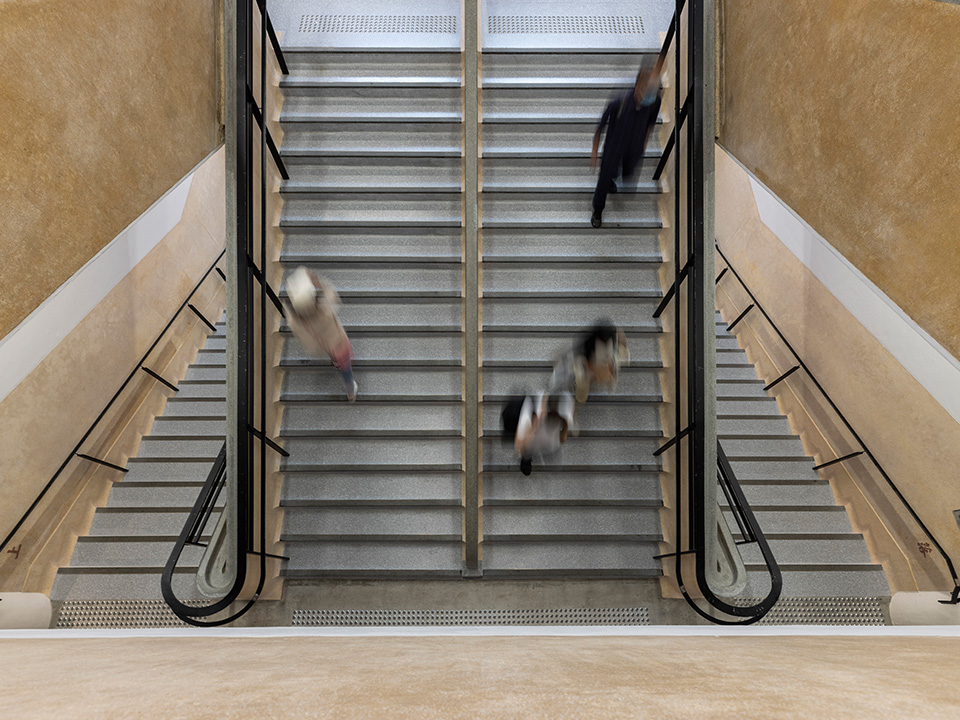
(312, 315)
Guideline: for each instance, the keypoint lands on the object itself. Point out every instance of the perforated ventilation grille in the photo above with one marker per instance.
(553, 616)
(821, 611)
(378, 24)
(565, 24)
(119, 614)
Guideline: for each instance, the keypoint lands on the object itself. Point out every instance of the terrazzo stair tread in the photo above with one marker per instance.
(570, 245)
(178, 427)
(185, 407)
(758, 469)
(800, 520)
(370, 65)
(354, 523)
(811, 552)
(205, 389)
(356, 454)
(558, 558)
(137, 523)
(739, 406)
(129, 494)
(398, 315)
(402, 557)
(730, 427)
(426, 348)
(200, 373)
(152, 553)
(372, 139)
(387, 279)
(395, 100)
(580, 489)
(417, 384)
(372, 419)
(627, 419)
(178, 449)
(532, 522)
(345, 488)
(210, 357)
(580, 454)
(216, 342)
(343, 81)
(122, 584)
(567, 209)
(570, 279)
(544, 348)
(736, 372)
(823, 581)
(635, 384)
(164, 471)
(391, 209)
(561, 67)
(387, 244)
(556, 175)
(783, 446)
(564, 315)
(773, 494)
(373, 175)
(547, 140)
(742, 389)
(726, 342)
(545, 104)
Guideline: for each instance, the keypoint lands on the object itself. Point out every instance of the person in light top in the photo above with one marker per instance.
(537, 425)
(594, 360)
(312, 315)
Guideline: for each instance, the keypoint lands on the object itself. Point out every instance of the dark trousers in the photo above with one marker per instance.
(610, 167)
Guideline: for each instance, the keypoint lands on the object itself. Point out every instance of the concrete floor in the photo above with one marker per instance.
(555, 677)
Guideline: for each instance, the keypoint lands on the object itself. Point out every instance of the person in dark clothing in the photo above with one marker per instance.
(628, 121)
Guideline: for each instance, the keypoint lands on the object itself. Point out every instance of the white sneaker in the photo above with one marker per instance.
(352, 393)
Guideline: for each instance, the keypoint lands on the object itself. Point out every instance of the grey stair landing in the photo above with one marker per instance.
(374, 146)
(810, 535)
(547, 276)
(123, 554)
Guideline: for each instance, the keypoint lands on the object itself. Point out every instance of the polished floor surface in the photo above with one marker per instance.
(463, 676)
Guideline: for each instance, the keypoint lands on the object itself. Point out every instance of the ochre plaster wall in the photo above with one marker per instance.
(107, 103)
(915, 440)
(50, 410)
(849, 111)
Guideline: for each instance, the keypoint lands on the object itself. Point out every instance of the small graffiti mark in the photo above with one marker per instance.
(925, 548)
(15, 552)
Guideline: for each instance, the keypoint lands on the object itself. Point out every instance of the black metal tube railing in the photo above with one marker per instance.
(251, 416)
(800, 365)
(140, 366)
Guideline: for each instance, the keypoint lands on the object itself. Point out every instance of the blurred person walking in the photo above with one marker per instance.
(628, 121)
(595, 359)
(312, 315)
(537, 426)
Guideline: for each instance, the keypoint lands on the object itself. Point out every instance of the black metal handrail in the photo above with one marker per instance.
(75, 452)
(800, 365)
(251, 476)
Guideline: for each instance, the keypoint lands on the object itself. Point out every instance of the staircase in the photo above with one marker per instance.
(373, 143)
(547, 275)
(809, 534)
(123, 554)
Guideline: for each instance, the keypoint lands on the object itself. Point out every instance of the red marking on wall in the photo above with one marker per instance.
(15, 551)
(925, 548)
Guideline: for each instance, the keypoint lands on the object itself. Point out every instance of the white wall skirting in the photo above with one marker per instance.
(922, 356)
(26, 346)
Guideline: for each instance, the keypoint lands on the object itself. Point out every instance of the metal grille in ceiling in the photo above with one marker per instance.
(378, 24)
(565, 24)
(408, 618)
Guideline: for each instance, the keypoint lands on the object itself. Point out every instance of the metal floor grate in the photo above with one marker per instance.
(378, 24)
(119, 614)
(551, 616)
(822, 611)
(565, 24)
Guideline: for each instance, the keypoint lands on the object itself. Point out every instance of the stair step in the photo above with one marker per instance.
(399, 315)
(383, 103)
(416, 384)
(570, 245)
(394, 348)
(557, 558)
(201, 373)
(361, 488)
(178, 427)
(793, 494)
(206, 357)
(742, 389)
(215, 390)
(620, 419)
(398, 557)
(372, 139)
(374, 66)
(799, 520)
(759, 469)
(835, 551)
(388, 279)
(637, 384)
(136, 523)
(821, 581)
(152, 553)
(356, 454)
(89, 583)
(556, 175)
(372, 419)
(761, 405)
(539, 523)
(760, 447)
(167, 471)
(397, 244)
(544, 104)
(391, 209)
(129, 494)
(542, 349)
(546, 139)
(358, 523)
(759, 427)
(372, 175)
(736, 372)
(581, 454)
(570, 316)
(580, 489)
(186, 407)
(560, 70)
(178, 449)
(567, 209)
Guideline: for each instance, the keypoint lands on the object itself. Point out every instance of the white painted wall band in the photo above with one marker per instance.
(25, 347)
(922, 356)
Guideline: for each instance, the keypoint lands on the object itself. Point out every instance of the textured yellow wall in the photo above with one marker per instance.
(106, 104)
(849, 110)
